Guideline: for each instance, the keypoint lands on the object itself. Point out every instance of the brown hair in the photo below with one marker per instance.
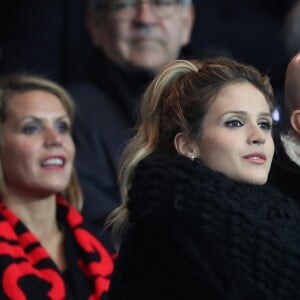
(177, 101)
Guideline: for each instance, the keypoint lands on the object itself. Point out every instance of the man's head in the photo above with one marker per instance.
(292, 92)
(143, 34)
(291, 30)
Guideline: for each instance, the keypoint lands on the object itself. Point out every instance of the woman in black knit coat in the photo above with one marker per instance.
(197, 220)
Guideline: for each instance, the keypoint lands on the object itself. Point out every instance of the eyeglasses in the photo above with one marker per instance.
(125, 10)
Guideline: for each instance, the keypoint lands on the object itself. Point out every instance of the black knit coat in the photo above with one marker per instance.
(195, 234)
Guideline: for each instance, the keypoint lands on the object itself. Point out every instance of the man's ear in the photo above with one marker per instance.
(188, 24)
(295, 120)
(92, 24)
(185, 146)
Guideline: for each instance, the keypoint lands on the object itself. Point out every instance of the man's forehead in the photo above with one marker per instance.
(94, 3)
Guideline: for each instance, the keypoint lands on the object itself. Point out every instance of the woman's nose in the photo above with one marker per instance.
(52, 137)
(257, 136)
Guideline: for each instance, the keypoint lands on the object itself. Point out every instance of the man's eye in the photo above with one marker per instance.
(163, 2)
(119, 5)
(234, 123)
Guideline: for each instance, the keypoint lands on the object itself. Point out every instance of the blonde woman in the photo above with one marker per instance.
(47, 251)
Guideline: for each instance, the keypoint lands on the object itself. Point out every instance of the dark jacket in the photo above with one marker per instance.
(285, 173)
(195, 234)
(105, 112)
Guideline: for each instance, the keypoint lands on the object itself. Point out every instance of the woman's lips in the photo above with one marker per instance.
(256, 158)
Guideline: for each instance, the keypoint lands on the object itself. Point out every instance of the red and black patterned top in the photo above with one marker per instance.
(28, 272)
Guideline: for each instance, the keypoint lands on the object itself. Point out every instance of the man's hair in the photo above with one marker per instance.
(291, 30)
(94, 3)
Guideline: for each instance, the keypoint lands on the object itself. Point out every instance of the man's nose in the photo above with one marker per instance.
(145, 13)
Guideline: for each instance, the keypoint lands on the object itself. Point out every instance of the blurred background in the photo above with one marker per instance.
(49, 37)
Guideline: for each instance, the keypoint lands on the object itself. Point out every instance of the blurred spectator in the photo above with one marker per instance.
(132, 41)
(292, 31)
(285, 171)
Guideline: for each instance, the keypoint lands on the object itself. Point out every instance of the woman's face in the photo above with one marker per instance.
(38, 151)
(236, 135)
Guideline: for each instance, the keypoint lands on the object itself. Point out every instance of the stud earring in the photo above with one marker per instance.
(191, 157)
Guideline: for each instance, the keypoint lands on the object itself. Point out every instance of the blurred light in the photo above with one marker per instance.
(276, 115)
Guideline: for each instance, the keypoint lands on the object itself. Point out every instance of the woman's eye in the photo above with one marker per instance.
(265, 125)
(63, 127)
(30, 129)
(234, 123)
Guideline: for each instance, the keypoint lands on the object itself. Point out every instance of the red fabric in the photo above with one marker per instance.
(25, 266)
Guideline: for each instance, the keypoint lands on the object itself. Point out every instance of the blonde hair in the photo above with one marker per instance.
(177, 101)
(20, 83)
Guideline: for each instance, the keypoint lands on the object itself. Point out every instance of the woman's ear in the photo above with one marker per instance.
(295, 120)
(185, 146)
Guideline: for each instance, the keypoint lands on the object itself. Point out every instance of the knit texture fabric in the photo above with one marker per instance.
(256, 228)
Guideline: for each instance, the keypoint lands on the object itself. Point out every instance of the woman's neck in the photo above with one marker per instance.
(38, 214)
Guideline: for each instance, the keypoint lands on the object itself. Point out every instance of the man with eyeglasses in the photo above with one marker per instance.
(142, 34)
(132, 40)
